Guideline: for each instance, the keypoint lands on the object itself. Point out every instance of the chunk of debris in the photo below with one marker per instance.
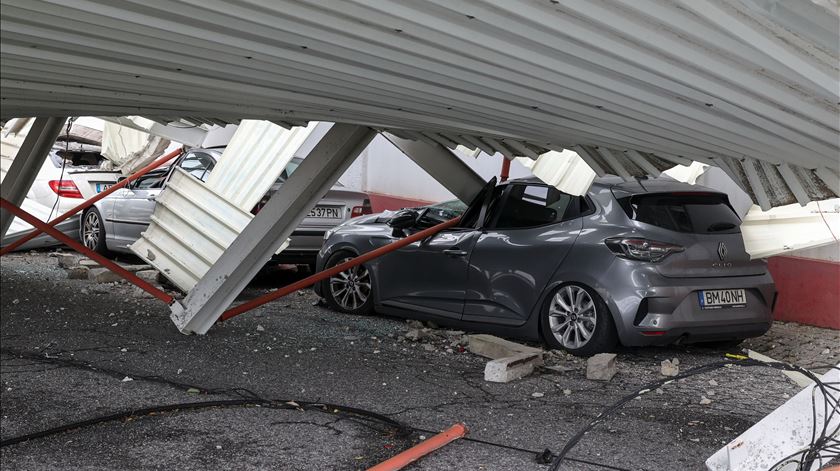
(260, 328)
(537, 394)
(417, 334)
(561, 368)
(78, 273)
(86, 262)
(601, 367)
(713, 382)
(505, 370)
(670, 368)
(137, 268)
(429, 347)
(150, 276)
(67, 260)
(705, 400)
(490, 346)
(103, 275)
(567, 392)
(127, 379)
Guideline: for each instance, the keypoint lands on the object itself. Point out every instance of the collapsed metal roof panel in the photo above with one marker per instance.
(639, 85)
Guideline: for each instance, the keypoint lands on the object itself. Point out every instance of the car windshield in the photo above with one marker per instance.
(698, 213)
(441, 212)
(290, 169)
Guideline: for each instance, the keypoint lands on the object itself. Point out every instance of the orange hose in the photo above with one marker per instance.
(422, 449)
(87, 203)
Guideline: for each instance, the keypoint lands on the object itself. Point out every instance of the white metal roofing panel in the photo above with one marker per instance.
(788, 228)
(747, 85)
(191, 226)
(254, 159)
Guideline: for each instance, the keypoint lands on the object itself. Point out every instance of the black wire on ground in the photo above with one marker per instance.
(248, 398)
(822, 439)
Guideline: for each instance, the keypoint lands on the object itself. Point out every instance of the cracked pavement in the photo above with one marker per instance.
(308, 353)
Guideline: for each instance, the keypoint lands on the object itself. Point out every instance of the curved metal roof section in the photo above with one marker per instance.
(634, 86)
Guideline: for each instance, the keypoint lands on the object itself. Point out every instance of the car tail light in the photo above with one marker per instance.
(645, 250)
(65, 189)
(365, 208)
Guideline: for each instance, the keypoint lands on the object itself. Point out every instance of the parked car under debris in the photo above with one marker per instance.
(116, 221)
(636, 263)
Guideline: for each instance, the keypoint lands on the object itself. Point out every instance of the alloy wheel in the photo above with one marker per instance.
(91, 230)
(351, 288)
(572, 316)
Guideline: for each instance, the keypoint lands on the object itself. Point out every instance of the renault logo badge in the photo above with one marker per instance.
(722, 251)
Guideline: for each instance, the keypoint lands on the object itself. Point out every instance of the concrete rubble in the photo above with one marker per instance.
(67, 260)
(493, 347)
(78, 273)
(507, 369)
(601, 367)
(669, 367)
(103, 275)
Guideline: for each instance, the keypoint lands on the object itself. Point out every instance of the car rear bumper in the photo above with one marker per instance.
(303, 247)
(668, 310)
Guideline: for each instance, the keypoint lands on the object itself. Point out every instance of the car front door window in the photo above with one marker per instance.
(198, 164)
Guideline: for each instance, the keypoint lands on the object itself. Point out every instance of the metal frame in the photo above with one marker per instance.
(254, 246)
(28, 161)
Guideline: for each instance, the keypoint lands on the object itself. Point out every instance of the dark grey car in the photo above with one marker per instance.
(649, 262)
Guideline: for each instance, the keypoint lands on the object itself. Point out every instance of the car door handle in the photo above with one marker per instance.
(151, 198)
(455, 252)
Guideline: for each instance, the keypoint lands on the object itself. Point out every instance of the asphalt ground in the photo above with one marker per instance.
(73, 350)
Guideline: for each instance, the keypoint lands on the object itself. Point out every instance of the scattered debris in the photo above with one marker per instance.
(713, 382)
(505, 370)
(103, 275)
(86, 262)
(567, 392)
(705, 400)
(670, 368)
(78, 273)
(560, 368)
(260, 328)
(150, 276)
(601, 367)
(428, 347)
(66, 260)
(490, 346)
(127, 379)
(537, 394)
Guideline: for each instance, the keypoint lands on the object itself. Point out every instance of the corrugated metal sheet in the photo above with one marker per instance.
(788, 228)
(565, 170)
(191, 226)
(634, 86)
(254, 158)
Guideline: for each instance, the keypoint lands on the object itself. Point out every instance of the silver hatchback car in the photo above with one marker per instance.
(640, 263)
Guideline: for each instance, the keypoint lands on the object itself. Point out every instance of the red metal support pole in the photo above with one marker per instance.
(87, 203)
(322, 275)
(505, 174)
(61, 237)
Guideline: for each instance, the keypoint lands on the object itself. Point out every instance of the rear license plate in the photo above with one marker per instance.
(100, 187)
(326, 212)
(722, 298)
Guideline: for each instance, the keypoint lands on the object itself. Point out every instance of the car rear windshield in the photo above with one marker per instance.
(698, 213)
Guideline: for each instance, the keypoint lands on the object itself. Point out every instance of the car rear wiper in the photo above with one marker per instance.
(721, 226)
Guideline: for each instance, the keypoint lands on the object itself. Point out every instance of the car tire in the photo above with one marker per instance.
(569, 313)
(92, 231)
(351, 291)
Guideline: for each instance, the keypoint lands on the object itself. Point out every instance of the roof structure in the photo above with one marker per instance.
(633, 86)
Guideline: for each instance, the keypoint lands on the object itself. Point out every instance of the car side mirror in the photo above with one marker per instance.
(402, 220)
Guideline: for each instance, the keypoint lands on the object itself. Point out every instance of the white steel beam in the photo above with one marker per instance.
(27, 163)
(442, 165)
(220, 286)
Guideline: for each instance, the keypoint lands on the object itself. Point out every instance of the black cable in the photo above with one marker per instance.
(810, 454)
(63, 165)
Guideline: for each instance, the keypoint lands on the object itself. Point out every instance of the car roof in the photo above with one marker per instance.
(643, 185)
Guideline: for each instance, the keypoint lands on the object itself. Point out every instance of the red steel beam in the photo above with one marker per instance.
(422, 449)
(87, 203)
(61, 237)
(312, 279)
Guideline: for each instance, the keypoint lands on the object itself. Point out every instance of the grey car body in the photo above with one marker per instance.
(504, 279)
(127, 212)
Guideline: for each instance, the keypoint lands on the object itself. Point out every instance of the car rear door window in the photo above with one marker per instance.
(698, 213)
(198, 164)
(535, 205)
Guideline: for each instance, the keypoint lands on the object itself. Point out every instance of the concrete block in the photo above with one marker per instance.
(150, 276)
(505, 370)
(103, 275)
(86, 262)
(136, 268)
(490, 346)
(78, 273)
(67, 260)
(601, 367)
(670, 368)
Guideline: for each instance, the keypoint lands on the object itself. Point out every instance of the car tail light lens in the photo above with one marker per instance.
(365, 208)
(65, 189)
(645, 250)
